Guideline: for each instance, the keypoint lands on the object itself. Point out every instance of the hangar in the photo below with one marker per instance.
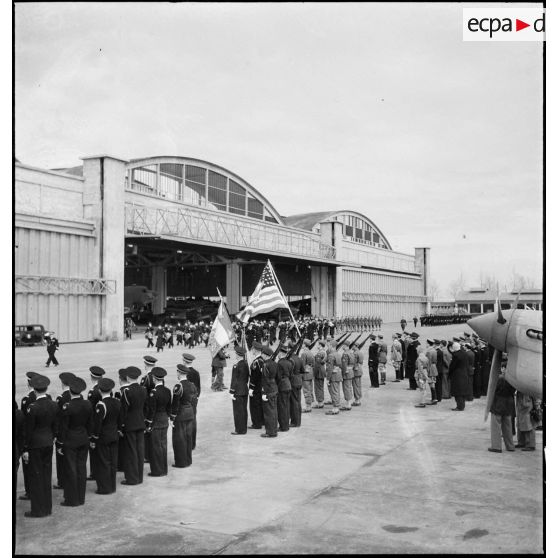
(185, 227)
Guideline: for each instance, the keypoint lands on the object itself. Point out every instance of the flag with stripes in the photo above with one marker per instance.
(222, 332)
(266, 296)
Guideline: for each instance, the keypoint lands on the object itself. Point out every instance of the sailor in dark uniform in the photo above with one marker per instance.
(239, 392)
(94, 397)
(148, 383)
(133, 427)
(158, 407)
(193, 376)
(284, 372)
(73, 441)
(41, 427)
(61, 400)
(184, 394)
(31, 397)
(269, 393)
(104, 437)
(255, 387)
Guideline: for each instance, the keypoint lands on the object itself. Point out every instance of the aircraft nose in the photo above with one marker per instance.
(488, 328)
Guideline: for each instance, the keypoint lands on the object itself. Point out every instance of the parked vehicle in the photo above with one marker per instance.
(29, 335)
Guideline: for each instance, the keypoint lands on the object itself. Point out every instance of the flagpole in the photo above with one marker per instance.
(283, 295)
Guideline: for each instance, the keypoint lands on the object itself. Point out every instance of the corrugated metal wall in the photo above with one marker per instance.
(358, 281)
(56, 254)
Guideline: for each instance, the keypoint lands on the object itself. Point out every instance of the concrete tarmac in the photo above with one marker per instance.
(385, 477)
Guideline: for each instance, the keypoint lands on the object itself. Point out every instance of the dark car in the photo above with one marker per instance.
(29, 335)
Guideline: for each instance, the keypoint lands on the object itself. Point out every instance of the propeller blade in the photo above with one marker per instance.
(501, 319)
(494, 373)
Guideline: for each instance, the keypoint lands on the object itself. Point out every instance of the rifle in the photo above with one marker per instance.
(276, 352)
(363, 343)
(342, 338)
(355, 340)
(313, 343)
(296, 347)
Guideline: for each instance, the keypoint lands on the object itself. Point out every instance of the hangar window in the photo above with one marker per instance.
(144, 179)
(195, 174)
(348, 231)
(358, 233)
(217, 190)
(269, 217)
(368, 236)
(255, 208)
(237, 198)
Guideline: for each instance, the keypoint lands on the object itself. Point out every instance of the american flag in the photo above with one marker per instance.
(266, 296)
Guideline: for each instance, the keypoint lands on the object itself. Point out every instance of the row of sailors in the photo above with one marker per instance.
(120, 431)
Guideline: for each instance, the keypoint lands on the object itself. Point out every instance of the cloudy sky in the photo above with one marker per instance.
(381, 108)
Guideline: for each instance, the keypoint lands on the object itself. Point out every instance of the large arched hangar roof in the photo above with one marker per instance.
(309, 221)
(178, 160)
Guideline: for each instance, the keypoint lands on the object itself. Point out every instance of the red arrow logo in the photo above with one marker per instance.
(519, 25)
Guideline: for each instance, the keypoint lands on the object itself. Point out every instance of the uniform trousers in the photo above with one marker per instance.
(25, 471)
(469, 396)
(51, 358)
(373, 372)
(147, 446)
(357, 388)
(39, 472)
(438, 387)
(270, 415)
(460, 402)
(218, 379)
(348, 391)
(92, 462)
(195, 425)
(445, 385)
(477, 383)
(134, 455)
(307, 391)
(59, 469)
(121, 450)
(182, 442)
(158, 451)
(319, 390)
(295, 409)
(75, 474)
(397, 365)
(283, 410)
(240, 413)
(501, 427)
(107, 460)
(382, 372)
(256, 410)
(412, 381)
(334, 393)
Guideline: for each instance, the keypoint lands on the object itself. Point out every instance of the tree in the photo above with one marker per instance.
(457, 285)
(488, 282)
(521, 282)
(433, 289)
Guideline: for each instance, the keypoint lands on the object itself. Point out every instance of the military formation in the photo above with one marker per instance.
(444, 319)
(281, 384)
(118, 429)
